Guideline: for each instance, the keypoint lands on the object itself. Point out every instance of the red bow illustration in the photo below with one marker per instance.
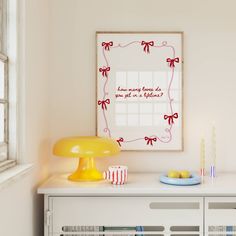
(104, 103)
(107, 45)
(150, 140)
(172, 61)
(120, 140)
(171, 118)
(147, 45)
(104, 71)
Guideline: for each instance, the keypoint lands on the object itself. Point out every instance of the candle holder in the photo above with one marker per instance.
(213, 171)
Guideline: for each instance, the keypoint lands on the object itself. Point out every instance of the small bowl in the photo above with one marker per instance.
(193, 180)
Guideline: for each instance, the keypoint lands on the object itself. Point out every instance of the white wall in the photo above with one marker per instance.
(60, 87)
(21, 208)
(210, 82)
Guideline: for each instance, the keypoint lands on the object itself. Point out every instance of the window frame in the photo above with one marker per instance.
(5, 102)
(7, 160)
(5, 163)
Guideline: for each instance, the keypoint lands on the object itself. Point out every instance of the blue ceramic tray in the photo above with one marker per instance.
(193, 180)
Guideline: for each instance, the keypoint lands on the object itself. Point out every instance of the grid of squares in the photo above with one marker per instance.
(143, 112)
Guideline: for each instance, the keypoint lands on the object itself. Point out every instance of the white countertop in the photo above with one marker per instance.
(140, 185)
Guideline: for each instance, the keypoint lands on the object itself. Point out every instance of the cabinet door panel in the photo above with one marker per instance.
(220, 215)
(128, 211)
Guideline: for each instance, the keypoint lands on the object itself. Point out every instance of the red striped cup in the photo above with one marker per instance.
(116, 174)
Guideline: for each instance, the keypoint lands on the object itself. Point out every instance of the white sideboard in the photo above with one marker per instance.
(143, 206)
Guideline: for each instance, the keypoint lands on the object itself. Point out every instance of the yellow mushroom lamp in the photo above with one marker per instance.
(86, 148)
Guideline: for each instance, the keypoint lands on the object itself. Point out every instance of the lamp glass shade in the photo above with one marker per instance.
(86, 148)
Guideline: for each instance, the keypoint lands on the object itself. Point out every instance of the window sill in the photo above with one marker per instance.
(12, 174)
(4, 165)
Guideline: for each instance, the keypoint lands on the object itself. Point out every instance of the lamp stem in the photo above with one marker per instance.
(86, 163)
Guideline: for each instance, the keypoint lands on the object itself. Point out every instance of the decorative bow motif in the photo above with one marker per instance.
(104, 103)
(171, 118)
(150, 140)
(172, 61)
(107, 45)
(104, 71)
(147, 45)
(120, 140)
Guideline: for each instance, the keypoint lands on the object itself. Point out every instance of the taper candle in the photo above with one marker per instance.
(202, 158)
(213, 152)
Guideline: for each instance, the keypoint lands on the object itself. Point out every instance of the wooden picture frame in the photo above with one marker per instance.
(140, 89)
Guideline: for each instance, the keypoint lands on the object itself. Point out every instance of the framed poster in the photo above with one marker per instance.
(140, 89)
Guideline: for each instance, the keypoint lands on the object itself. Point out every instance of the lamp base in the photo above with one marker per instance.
(86, 171)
